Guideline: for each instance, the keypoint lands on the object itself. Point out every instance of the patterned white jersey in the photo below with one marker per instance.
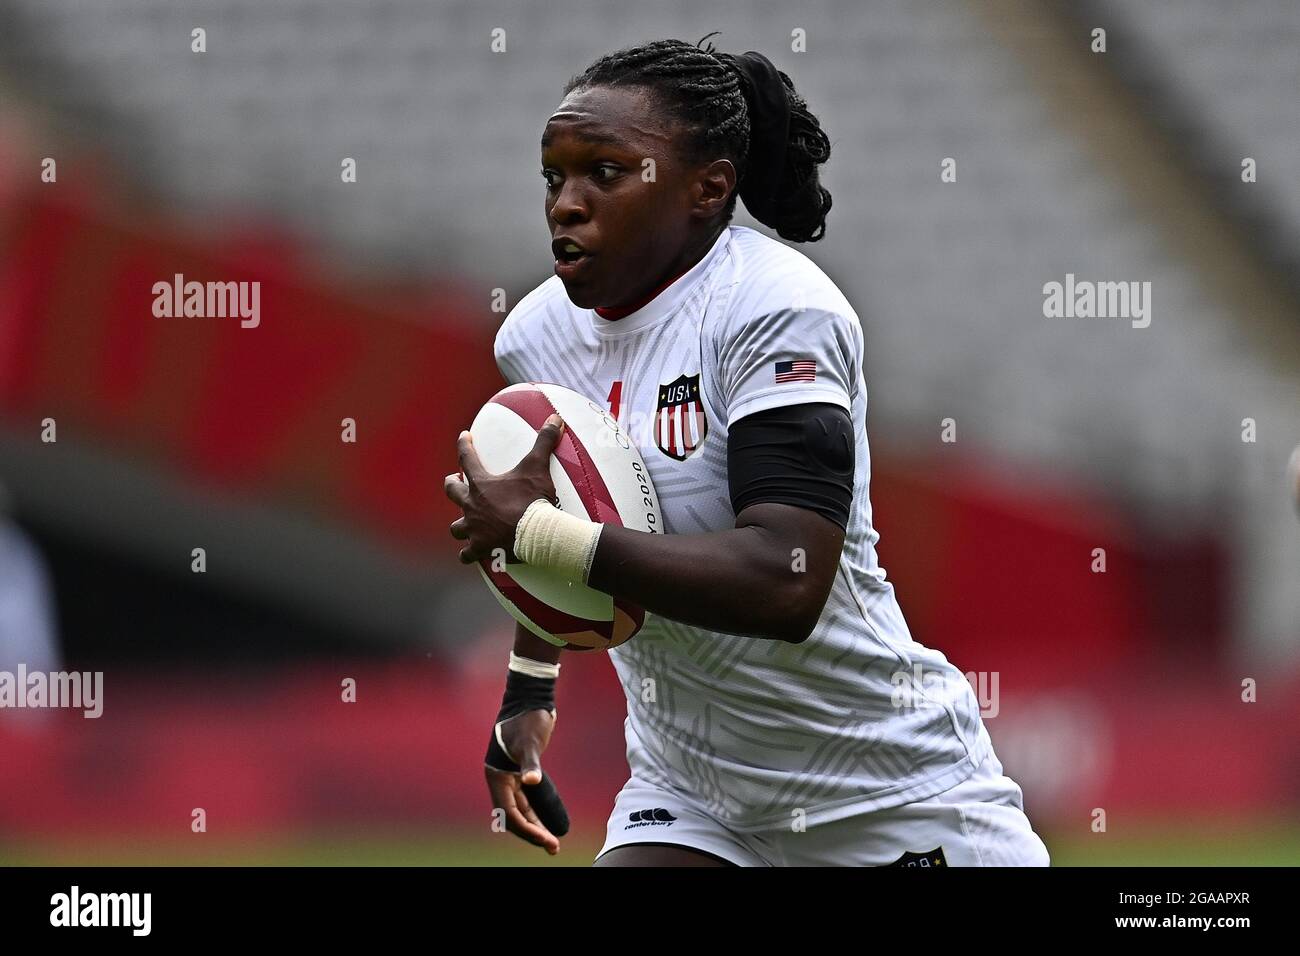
(857, 717)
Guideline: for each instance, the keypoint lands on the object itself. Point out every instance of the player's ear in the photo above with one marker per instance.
(714, 186)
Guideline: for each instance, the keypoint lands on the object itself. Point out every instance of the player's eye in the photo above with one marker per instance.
(599, 173)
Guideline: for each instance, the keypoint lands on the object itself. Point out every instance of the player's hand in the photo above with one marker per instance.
(533, 809)
(493, 504)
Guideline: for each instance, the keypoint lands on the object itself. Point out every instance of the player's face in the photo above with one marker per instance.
(632, 226)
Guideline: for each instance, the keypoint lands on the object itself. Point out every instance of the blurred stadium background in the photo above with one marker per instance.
(326, 561)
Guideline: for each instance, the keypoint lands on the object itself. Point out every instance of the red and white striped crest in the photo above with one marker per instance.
(680, 424)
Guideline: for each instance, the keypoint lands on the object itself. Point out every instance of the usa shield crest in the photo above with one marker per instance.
(680, 423)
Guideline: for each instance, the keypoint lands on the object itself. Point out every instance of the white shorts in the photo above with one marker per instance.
(979, 822)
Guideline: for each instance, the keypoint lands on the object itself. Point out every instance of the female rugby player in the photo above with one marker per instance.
(779, 712)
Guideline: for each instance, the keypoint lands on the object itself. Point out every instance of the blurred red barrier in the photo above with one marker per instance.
(997, 570)
(282, 750)
(279, 751)
(256, 410)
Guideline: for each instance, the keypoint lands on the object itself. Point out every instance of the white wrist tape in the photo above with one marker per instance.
(532, 668)
(549, 538)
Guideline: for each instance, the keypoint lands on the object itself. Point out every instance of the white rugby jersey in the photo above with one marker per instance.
(757, 731)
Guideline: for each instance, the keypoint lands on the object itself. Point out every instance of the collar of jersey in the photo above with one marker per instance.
(666, 303)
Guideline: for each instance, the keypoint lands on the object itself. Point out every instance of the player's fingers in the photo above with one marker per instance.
(460, 529)
(530, 759)
(468, 457)
(534, 825)
(548, 436)
(504, 788)
(456, 490)
(506, 796)
(525, 808)
(550, 809)
(553, 844)
(518, 824)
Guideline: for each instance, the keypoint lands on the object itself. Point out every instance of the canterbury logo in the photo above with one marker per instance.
(658, 817)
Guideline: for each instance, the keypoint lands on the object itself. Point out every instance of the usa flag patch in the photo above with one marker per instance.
(799, 370)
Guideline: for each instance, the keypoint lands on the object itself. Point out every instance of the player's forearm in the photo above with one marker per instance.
(740, 581)
(529, 645)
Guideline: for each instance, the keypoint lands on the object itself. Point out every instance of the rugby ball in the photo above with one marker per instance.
(599, 476)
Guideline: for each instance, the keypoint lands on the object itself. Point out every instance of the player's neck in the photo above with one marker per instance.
(619, 312)
(626, 310)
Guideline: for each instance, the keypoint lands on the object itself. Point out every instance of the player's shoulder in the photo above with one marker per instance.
(521, 322)
(534, 304)
(777, 282)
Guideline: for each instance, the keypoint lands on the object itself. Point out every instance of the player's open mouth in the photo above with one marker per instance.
(570, 257)
(570, 264)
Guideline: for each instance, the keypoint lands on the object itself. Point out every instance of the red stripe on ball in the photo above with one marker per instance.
(534, 407)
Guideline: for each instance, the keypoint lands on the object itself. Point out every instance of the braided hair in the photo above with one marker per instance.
(705, 92)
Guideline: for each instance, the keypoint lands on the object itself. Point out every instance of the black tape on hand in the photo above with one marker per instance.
(525, 693)
(546, 803)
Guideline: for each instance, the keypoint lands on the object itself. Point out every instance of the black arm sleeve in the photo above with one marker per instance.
(796, 455)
